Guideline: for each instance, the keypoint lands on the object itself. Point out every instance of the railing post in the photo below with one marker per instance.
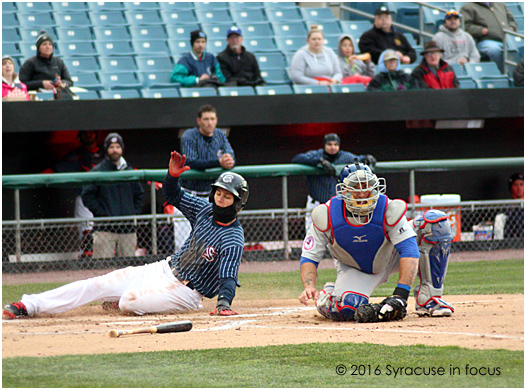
(285, 202)
(505, 54)
(421, 24)
(153, 209)
(18, 243)
(412, 191)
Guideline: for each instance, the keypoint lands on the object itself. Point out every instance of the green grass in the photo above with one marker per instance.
(305, 365)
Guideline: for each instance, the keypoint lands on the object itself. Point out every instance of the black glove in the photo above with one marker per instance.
(392, 308)
(328, 167)
(370, 160)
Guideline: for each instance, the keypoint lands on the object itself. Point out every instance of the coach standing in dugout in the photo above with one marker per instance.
(323, 187)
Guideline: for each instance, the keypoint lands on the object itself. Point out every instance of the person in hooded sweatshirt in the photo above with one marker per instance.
(459, 46)
(433, 72)
(315, 64)
(12, 88)
(44, 71)
(391, 78)
(355, 68)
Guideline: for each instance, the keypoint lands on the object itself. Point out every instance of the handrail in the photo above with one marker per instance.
(505, 49)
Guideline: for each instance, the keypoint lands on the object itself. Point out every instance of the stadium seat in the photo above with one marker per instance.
(248, 15)
(216, 46)
(123, 80)
(9, 6)
(153, 47)
(211, 5)
(234, 5)
(284, 15)
(116, 48)
(170, 6)
(236, 91)
(88, 81)
(31, 34)
(72, 6)
(181, 31)
(433, 18)
(108, 18)
(117, 64)
(10, 35)
(73, 19)
(180, 47)
(29, 49)
(215, 31)
(276, 76)
(467, 83)
(270, 60)
(9, 20)
(74, 34)
(289, 29)
(175, 17)
(214, 16)
(81, 64)
(346, 88)
(44, 96)
(291, 44)
(108, 6)
(197, 92)
(355, 28)
(148, 33)
(490, 83)
(31, 7)
(256, 30)
(330, 28)
(144, 18)
(317, 15)
(12, 49)
(331, 41)
(42, 20)
(408, 68)
(154, 64)
(155, 79)
(274, 90)
(142, 6)
(122, 94)
(160, 93)
(76, 48)
(89, 95)
(459, 71)
(308, 89)
(255, 45)
(515, 9)
(483, 70)
(410, 39)
(271, 5)
(111, 34)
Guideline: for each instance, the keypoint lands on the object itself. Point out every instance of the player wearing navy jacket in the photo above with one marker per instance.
(206, 266)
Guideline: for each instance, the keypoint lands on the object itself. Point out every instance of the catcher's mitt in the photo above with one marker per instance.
(392, 308)
(367, 313)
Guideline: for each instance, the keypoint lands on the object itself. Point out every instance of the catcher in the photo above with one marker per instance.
(370, 239)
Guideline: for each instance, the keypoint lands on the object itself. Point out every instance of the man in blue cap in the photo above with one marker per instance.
(238, 64)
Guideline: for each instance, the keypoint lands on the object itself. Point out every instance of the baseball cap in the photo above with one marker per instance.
(382, 10)
(452, 14)
(234, 30)
(390, 55)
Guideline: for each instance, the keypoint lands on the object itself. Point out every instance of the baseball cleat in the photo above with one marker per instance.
(435, 307)
(15, 310)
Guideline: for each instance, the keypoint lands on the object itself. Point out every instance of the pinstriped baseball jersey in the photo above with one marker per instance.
(212, 251)
(203, 153)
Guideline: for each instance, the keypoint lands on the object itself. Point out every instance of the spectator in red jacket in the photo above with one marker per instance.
(433, 72)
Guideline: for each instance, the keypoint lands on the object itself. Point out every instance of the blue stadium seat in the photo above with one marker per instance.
(108, 6)
(236, 91)
(181, 31)
(160, 93)
(331, 41)
(211, 5)
(81, 64)
(197, 92)
(155, 79)
(152, 47)
(406, 13)
(275, 76)
(170, 6)
(142, 6)
(117, 64)
(520, 24)
(180, 47)
(290, 44)
(317, 15)
(408, 68)
(123, 80)
(10, 35)
(74, 34)
(330, 28)
(29, 49)
(274, 90)
(111, 34)
(9, 20)
(271, 60)
(42, 20)
(234, 5)
(346, 88)
(144, 18)
(31, 7)
(9, 6)
(483, 70)
(108, 18)
(284, 15)
(459, 71)
(117, 48)
(88, 81)
(72, 6)
(73, 19)
(175, 17)
(121, 94)
(256, 30)
(256, 45)
(248, 15)
(12, 49)
(31, 34)
(216, 46)
(76, 49)
(89, 95)
(215, 31)
(515, 9)
(491, 83)
(432, 19)
(271, 5)
(410, 39)
(355, 27)
(290, 29)
(467, 83)
(44, 96)
(214, 16)
(148, 33)
(308, 89)
(154, 63)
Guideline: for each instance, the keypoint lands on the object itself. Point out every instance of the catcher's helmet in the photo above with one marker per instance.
(355, 179)
(234, 183)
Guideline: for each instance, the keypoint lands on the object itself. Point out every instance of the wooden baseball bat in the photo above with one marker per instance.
(170, 327)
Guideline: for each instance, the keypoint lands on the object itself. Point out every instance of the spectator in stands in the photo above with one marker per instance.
(12, 88)
(198, 67)
(111, 200)
(382, 36)
(322, 188)
(314, 63)
(485, 22)
(354, 68)
(391, 78)
(514, 227)
(433, 72)
(459, 46)
(45, 70)
(239, 66)
(518, 74)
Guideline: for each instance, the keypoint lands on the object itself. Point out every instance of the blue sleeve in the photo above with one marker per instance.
(309, 158)
(304, 260)
(227, 146)
(408, 248)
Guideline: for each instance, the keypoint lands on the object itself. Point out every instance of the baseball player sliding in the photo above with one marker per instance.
(206, 266)
(370, 239)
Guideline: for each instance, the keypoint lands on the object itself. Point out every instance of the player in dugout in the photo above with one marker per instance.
(370, 239)
(206, 266)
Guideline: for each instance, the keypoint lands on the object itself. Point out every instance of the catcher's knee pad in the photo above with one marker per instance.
(339, 308)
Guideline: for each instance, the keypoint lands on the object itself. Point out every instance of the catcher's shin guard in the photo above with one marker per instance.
(339, 308)
(434, 242)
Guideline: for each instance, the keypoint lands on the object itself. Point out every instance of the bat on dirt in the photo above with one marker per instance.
(170, 327)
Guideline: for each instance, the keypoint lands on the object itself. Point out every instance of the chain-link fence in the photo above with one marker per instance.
(270, 235)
